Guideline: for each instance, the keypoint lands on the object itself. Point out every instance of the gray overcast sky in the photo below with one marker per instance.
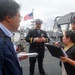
(46, 10)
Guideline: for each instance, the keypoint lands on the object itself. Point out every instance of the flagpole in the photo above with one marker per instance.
(33, 18)
(33, 14)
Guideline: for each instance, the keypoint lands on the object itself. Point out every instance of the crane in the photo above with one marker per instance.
(61, 24)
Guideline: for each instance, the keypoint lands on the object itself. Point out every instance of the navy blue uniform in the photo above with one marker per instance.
(38, 48)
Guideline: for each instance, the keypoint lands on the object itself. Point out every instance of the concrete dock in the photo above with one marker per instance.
(51, 64)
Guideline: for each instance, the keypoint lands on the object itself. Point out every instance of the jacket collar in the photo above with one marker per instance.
(5, 30)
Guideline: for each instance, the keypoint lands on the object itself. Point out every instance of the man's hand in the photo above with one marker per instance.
(37, 39)
(57, 44)
(23, 57)
(42, 39)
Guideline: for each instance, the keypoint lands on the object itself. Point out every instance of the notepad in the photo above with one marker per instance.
(27, 54)
(56, 51)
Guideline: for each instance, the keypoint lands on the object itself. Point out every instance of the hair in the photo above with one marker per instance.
(70, 34)
(8, 7)
(73, 20)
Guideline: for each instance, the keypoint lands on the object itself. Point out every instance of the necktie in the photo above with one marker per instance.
(38, 31)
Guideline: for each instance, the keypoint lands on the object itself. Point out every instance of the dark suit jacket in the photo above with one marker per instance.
(69, 68)
(9, 64)
(34, 46)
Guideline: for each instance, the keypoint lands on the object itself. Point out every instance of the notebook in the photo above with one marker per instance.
(55, 51)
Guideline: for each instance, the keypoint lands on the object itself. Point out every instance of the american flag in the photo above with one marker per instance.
(28, 16)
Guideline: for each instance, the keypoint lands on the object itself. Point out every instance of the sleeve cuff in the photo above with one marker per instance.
(31, 40)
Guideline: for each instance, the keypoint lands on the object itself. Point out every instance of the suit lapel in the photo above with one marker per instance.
(8, 42)
(70, 50)
(38, 34)
(11, 46)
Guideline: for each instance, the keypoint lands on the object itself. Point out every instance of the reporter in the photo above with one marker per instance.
(68, 63)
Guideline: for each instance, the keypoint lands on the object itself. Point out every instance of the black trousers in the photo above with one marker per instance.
(32, 61)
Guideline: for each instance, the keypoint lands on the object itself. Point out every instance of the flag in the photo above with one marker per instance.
(28, 16)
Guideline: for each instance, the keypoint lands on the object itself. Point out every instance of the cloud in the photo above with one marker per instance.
(46, 10)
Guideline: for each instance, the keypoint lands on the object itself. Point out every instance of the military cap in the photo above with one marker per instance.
(38, 21)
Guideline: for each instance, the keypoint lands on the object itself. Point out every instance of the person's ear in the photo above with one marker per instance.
(68, 39)
(8, 18)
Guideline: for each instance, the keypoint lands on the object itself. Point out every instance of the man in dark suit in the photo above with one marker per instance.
(9, 21)
(37, 38)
